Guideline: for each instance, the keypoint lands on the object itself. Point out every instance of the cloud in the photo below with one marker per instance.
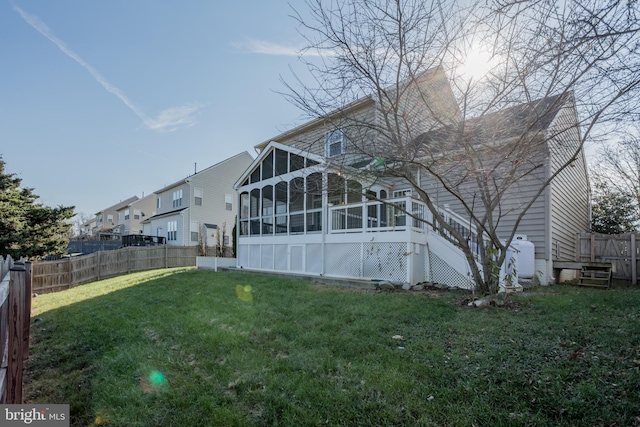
(173, 118)
(267, 48)
(167, 121)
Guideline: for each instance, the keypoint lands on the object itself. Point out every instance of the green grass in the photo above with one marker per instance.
(194, 348)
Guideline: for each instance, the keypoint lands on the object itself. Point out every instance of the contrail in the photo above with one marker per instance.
(167, 120)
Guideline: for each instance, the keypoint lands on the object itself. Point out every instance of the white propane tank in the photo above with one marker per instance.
(526, 256)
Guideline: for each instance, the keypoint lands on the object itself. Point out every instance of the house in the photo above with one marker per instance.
(107, 219)
(307, 206)
(88, 228)
(199, 209)
(130, 217)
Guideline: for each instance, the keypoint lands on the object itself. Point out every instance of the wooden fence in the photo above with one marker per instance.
(52, 276)
(15, 318)
(622, 251)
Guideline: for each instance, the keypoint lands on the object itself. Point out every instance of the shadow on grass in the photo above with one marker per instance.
(201, 348)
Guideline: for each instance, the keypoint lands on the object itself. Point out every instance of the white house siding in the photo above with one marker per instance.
(166, 197)
(570, 189)
(216, 182)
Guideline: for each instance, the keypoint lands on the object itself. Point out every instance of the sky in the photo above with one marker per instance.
(101, 101)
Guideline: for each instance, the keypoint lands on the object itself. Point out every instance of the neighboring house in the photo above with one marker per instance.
(89, 228)
(107, 219)
(301, 213)
(199, 208)
(130, 217)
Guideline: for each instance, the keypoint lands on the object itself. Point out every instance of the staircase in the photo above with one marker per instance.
(595, 274)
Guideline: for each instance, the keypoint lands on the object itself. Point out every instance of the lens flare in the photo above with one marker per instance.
(244, 292)
(153, 382)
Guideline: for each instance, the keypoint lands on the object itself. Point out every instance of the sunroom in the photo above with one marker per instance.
(300, 214)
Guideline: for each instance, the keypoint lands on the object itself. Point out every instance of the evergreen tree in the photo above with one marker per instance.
(27, 228)
(612, 211)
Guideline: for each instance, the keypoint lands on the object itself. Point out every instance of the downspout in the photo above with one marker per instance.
(547, 223)
(325, 221)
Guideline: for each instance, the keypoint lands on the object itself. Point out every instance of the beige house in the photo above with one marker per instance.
(107, 219)
(308, 205)
(130, 217)
(200, 208)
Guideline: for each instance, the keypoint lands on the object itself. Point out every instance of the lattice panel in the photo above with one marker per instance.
(297, 258)
(243, 255)
(441, 272)
(266, 252)
(386, 261)
(281, 258)
(343, 259)
(314, 258)
(254, 256)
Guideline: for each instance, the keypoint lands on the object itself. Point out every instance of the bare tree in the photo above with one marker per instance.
(618, 165)
(579, 61)
(221, 237)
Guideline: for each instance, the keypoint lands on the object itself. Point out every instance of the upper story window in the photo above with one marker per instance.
(110, 219)
(177, 198)
(158, 202)
(228, 202)
(126, 214)
(197, 196)
(335, 143)
(136, 214)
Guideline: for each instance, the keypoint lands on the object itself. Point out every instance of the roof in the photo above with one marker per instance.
(435, 76)
(187, 179)
(118, 205)
(164, 214)
(532, 117)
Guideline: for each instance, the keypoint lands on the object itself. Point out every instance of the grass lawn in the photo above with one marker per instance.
(182, 347)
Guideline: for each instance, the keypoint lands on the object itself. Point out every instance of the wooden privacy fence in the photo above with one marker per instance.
(52, 276)
(621, 250)
(15, 317)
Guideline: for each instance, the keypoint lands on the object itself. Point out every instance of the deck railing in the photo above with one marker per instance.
(376, 216)
(393, 215)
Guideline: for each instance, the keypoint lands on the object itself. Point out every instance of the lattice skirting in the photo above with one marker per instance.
(384, 261)
(442, 272)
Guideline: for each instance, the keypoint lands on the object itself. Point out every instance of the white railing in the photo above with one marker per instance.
(375, 216)
(462, 226)
(391, 215)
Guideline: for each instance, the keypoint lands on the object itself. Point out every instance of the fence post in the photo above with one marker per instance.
(16, 322)
(592, 249)
(634, 260)
(28, 293)
(99, 264)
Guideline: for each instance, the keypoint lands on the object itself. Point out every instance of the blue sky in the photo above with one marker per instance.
(100, 101)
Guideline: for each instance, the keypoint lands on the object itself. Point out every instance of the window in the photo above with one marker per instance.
(194, 230)
(228, 202)
(401, 193)
(126, 214)
(136, 214)
(158, 203)
(282, 161)
(267, 210)
(335, 143)
(177, 198)
(172, 230)
(197, 196)
(267, 166)
(110, 219)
